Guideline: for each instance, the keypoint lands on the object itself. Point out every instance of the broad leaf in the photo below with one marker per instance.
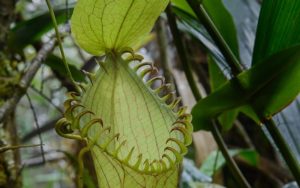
(101, 26)
(254, 87)
(31, 31)
(217, 79)
(278, 28)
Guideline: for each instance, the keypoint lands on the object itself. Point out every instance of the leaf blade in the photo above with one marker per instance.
(100, 26)
(278, 28)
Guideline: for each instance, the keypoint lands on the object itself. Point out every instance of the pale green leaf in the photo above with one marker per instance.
(101, 26)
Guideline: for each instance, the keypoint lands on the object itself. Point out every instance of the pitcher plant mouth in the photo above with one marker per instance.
(165, 140)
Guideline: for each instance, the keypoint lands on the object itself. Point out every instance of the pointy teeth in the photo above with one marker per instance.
(152, 167)
(106, 129)
(183, 148)
(116, 136)
(127, 159)
(88, 126)
(146, 165)
(74, 106)
(171, 162)
(138, 66)
(138, 162)
(157, 78)
(64, 129)
(72, 95)
(186, 117)
(174, 103)
(69, 113)
(76, 121)
(163, 165)
(115, 153)
(156, 166)
(61, 121)
(82, 86)
(134, 57)
(186, 134)
(168, 96)
(90, 76)
(127, 50)
(161, 88)
(177, 155)
(148, 70)
(69, 102)
(181, 110)
(99, 133)
(64, 125)
(186, 124)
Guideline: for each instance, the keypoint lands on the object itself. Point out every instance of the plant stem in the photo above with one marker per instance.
(290, 159)
(216, 36)
(182, 53)
(236, 69)
(231, 163)
(216, 133)
(162, 46)
(69, 74)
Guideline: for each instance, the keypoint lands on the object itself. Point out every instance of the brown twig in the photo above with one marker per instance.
(44, 128)
(47, 99)
(26, 79)
(37, 125)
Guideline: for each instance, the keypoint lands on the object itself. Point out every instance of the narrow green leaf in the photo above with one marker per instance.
(217, 79)
(219, 15)
(250, 156)
(31, 31)
(249, 111)
(55, 63)
(100, 26)
(267, 86)
(278, 28)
